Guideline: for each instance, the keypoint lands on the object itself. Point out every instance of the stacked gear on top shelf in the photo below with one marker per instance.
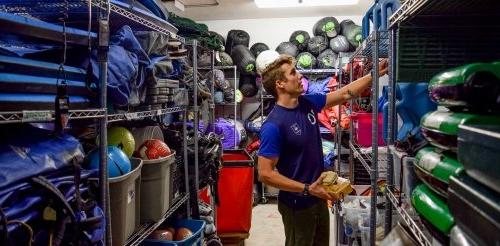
(471, 94)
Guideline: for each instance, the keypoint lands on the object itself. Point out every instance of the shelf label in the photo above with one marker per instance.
(131, 116)
(44, 115)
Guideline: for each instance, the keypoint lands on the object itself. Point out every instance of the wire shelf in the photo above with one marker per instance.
(414, 228)
(366, 49)
(146, 229)
(143, 114)
(364, 158)
(411, 9)
(318, 71)
(48, 115)
(218, 67)
(138, 20)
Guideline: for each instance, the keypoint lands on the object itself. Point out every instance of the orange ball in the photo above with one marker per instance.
(183, 233)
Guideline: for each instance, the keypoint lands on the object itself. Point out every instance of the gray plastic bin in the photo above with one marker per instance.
(156, 189)
(124, 192)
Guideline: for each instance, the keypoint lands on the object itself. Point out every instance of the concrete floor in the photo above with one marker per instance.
(267, 227)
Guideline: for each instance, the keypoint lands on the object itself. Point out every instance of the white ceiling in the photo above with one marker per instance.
(246, 9)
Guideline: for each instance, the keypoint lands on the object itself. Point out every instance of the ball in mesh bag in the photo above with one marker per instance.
(153, 149)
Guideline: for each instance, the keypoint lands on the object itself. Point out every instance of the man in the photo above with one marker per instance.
(291, 143)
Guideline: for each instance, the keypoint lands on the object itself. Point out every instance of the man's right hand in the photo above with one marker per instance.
(316, 189)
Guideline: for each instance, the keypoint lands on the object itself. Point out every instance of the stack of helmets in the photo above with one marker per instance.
(471, 95)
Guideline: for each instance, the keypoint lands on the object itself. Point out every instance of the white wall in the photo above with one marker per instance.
(270, 31)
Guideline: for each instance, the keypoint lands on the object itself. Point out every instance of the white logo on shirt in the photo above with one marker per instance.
(311, 117)
(296, 129)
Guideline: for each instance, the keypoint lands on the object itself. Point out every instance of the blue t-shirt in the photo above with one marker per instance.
(293, 136)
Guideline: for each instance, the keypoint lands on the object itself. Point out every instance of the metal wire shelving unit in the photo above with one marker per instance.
(110, 16)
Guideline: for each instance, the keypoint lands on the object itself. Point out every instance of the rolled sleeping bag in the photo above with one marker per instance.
(225, 59)
(306, 60)
(300, 39)
(257, 48)
(327, 59)
(352, 32)
(248, 86)
(287, 48)
(220, 38)
(339, 44)
(327, 27)
(317, 44)
(244, 59)
(236, 37)
(264, 59)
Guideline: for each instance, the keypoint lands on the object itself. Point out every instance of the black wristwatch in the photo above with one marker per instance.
(305, 192)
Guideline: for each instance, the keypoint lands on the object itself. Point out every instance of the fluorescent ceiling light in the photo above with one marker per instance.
(301, 3)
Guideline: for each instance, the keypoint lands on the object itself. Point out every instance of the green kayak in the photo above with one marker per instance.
(475, 85)
(432, 208)
(440, 128)
(435, 167)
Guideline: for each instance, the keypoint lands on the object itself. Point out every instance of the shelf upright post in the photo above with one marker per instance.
(374, 166)
(235, 106)
(196, 118)
(102, 58)
(391, 125)
(351, 128)
(185, 154)
(212, 91)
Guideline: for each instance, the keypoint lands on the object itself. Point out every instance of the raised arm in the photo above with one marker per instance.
(353, 89)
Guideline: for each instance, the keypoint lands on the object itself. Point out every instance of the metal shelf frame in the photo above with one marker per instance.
(146, 23)
(108, 15)
(414, 228)
(148, 228)
(375, 46)
(48, 115)
(144, 114)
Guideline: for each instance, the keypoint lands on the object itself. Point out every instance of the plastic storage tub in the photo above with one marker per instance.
(156, 192)
(351, 212)
(124, 192)
(476, 209)
(234, 213)
(196, 226)
(362, 123)
(479, 152)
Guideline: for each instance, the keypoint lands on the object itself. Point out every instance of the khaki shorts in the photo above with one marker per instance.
(306, 227)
